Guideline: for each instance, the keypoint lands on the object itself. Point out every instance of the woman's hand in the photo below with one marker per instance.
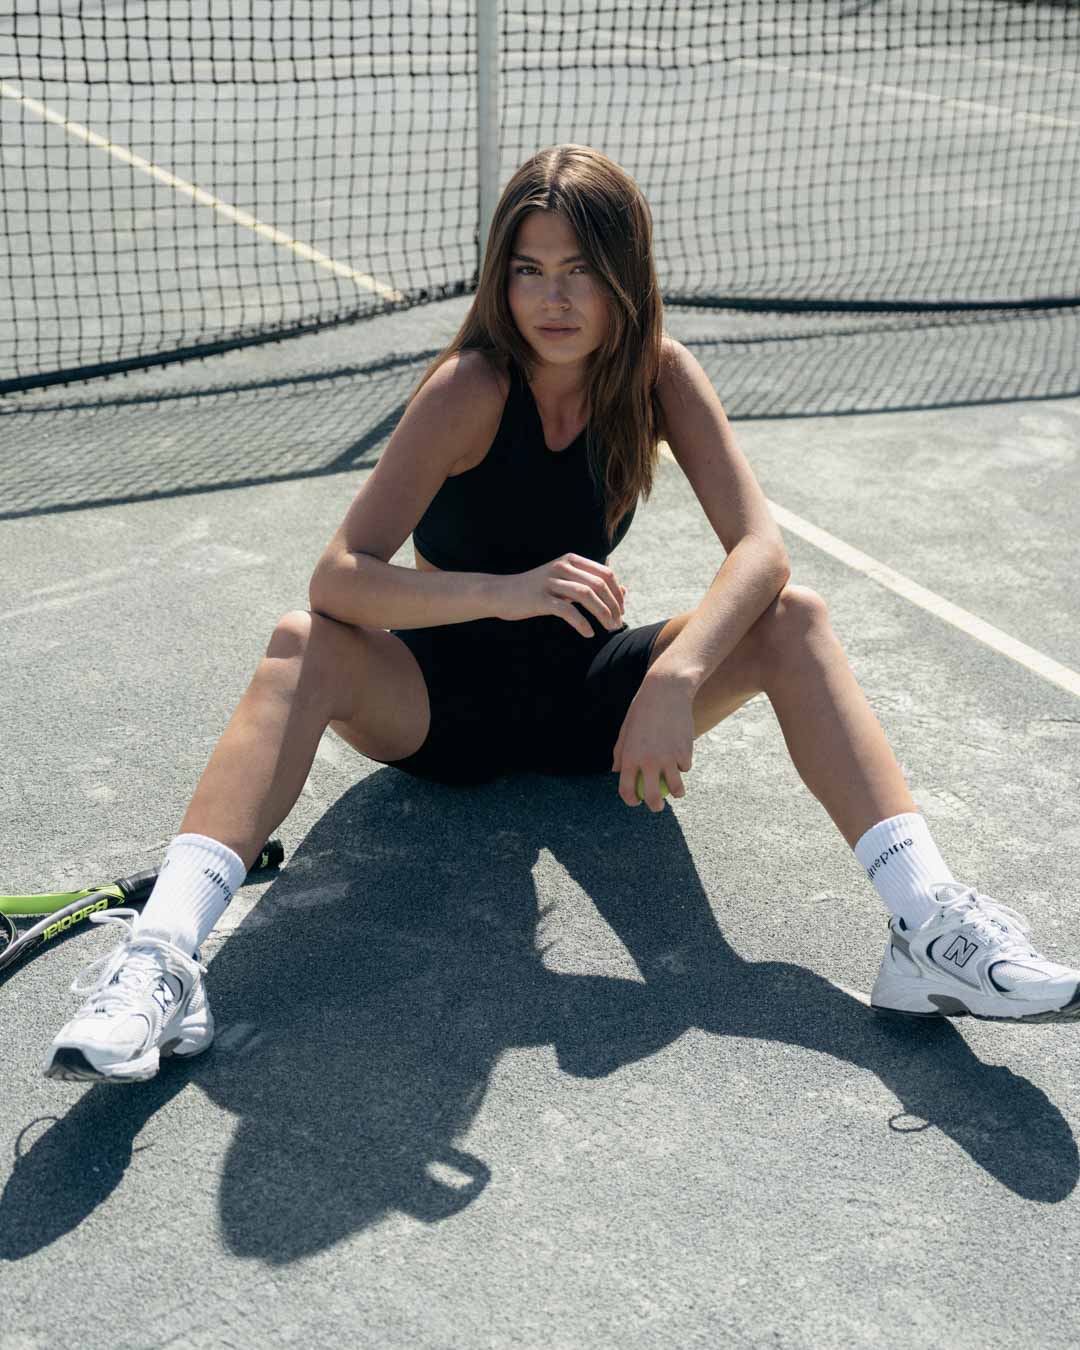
(657, 737)
(557, 586)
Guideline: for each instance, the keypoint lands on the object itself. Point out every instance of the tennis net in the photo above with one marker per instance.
(185, 176)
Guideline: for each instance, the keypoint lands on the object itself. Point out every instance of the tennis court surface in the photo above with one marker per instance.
(517, 1065)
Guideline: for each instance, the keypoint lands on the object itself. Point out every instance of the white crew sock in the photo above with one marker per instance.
(197, 880)
(903, 862)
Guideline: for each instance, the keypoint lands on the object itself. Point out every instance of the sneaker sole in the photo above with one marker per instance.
(950, 1006)
(70, 1065)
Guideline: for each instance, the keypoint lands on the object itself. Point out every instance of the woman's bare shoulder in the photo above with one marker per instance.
(486, 385)
(495, 364)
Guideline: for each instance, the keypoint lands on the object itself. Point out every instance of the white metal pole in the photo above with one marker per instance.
(487, 28)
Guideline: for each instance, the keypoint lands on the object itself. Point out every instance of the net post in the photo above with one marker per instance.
(487, 50)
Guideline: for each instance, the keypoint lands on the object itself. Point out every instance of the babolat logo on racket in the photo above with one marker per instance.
(62, 925)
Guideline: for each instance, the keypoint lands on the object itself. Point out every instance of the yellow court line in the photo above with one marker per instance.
(198, 194)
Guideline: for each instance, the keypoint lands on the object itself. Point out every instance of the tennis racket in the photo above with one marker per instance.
(65, 909)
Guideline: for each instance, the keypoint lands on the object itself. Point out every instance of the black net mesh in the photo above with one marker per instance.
(181, 178)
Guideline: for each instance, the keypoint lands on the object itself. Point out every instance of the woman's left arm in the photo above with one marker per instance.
(756, 566)
(753, 573)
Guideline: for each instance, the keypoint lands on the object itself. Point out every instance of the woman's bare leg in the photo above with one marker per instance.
(836, 743)
(834, 739)
(316, 672)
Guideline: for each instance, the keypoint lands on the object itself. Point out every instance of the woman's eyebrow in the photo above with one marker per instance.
(524, 257)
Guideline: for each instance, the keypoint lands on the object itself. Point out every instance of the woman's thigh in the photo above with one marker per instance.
(583, 738)
(366, 681)
(733, 683)
(388, 694)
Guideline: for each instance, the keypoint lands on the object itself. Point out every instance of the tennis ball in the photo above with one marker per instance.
(639, 786)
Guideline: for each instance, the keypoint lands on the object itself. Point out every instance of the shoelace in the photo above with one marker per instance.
(988, 917)
(133, 968)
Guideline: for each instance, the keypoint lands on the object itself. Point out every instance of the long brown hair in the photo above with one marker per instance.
(613, 224)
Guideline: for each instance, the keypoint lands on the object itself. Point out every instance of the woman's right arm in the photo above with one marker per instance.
(354, 580)
(373, 594)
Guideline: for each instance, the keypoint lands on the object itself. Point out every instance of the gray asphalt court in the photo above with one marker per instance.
(518, 1065)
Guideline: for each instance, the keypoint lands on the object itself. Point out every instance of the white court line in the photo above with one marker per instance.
(914, 95)
(896, 91)
(941, 608)
(57, 602)
(198, 194)
(918, 595)
(1058, 72)
(720, 56)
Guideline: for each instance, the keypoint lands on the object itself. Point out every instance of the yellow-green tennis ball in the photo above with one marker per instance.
(639, 786)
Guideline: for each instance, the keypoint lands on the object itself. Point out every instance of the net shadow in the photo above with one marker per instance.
(301, 411)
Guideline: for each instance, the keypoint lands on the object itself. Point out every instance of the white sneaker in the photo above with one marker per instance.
(972, 958)
(146, 1000)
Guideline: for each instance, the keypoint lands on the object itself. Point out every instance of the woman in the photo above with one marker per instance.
(517, 467)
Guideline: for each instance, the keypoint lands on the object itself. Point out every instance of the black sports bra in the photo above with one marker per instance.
(522, 505)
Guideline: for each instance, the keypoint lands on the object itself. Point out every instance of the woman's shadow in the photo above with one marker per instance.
(362, 1005)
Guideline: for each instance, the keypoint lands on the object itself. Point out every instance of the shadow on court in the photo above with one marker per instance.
(171, 437)
(363, 1004)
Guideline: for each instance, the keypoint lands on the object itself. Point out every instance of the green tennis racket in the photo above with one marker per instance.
(64, 909)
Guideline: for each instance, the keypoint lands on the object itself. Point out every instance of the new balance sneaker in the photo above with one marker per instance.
(972, 958)
(146, 1000)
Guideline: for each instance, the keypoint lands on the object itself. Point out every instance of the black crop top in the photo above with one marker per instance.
(523, 505)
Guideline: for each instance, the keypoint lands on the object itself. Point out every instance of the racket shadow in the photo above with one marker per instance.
(66, 1165)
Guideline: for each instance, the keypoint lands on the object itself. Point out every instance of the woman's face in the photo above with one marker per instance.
(550, 285)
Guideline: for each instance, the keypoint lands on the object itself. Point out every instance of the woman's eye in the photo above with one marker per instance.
(527, 267)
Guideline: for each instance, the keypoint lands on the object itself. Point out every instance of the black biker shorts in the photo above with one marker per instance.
(534, 694)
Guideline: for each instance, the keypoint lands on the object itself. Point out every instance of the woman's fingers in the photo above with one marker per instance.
(585, 595)
(600, 580)
(576, 581)
(573, 617)
(640, 783)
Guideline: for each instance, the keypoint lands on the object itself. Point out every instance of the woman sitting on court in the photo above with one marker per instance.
(517, 466)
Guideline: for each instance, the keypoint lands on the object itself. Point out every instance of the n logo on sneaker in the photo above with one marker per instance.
(164, 995)
(960, 951)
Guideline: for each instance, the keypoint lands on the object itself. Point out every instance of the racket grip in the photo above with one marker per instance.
(138, 886)
(273, 855)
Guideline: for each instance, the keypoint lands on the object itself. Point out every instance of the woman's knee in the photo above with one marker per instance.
(791, 624)
(319, 653)
(301, 631)
(803, 606)
(291, 635)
